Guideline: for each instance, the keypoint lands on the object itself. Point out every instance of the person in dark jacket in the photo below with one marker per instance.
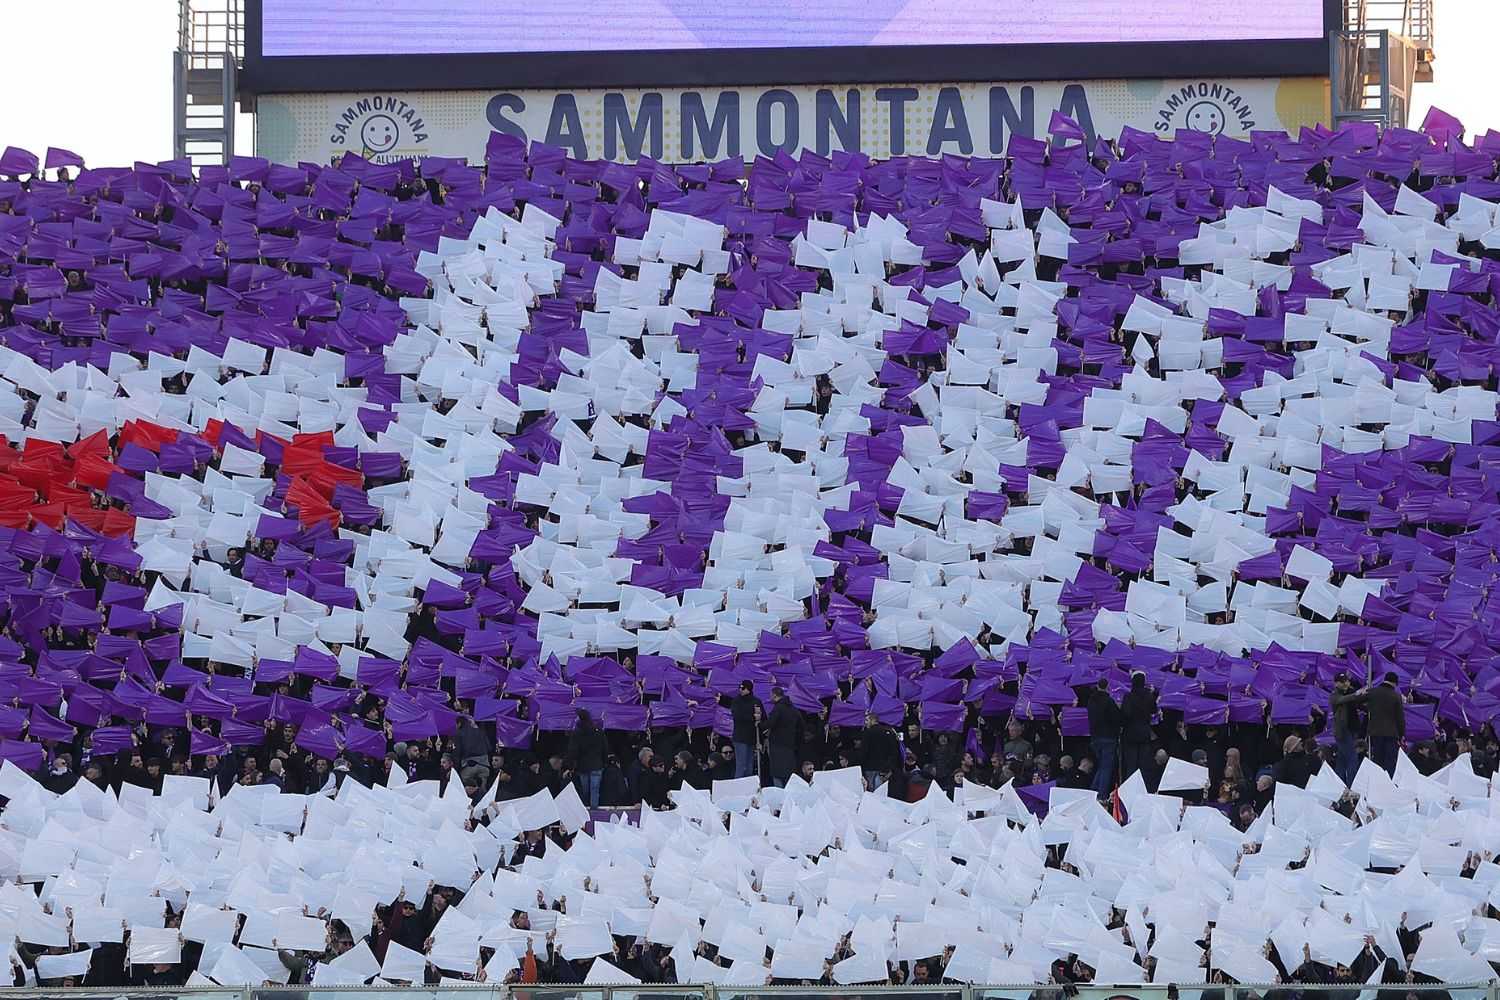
(653, 785)
(635, 773)
(944, 758)
(721, 764)
(614, 788)
(685, 771)
(1386, 717)
(783, 731)
(472, 748)
(882, 752)
(1104, 736)
(587, 749)
(746, 735)
(1341, 704)
(1136, 713)
(1296, 766)
(60, 777)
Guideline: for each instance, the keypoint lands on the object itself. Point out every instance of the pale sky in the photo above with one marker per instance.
(95, 76)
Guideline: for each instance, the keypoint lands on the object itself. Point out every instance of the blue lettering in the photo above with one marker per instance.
(495, 110)
(790, 113)
(1075, 105)
(897, 98)
(1004, 117)
(726, 123)
(565, 127)
(619, 128)
(844, 122)
(949, 123)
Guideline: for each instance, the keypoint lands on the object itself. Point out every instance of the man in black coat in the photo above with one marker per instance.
(882, 752)
(1386, 711)
(746, 709)
(1341, 703)
(1136, 713)
(686, 772)
(636, 775)
(783, 732)
(653, 784)
(587, 749)
(472, 749)
(1104, 736)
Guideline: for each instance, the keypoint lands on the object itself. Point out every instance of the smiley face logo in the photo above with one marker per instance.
(379, 133)
(1205, 116)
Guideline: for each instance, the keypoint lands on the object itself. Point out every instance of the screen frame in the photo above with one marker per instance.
(263, 74)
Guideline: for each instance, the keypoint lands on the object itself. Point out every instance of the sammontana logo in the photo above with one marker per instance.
(1213, 108)
(380, 127)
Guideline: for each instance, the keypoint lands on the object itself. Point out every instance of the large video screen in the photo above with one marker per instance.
(431, 27)
(337, 46)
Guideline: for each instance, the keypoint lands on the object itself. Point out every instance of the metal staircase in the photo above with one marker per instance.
(210, 45)
(1382, 50)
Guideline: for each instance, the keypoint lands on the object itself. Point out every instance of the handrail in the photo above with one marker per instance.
(1408, 18)
(184, 25)
(208, 30)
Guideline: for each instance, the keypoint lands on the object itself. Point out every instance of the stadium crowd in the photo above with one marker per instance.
(105, 684)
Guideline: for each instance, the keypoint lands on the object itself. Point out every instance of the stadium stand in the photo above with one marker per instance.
(1070, 567)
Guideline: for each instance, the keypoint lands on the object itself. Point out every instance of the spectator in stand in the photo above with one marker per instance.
(654, 783)
(635, 773)
(1136, 715)
(472, 748)
(1387, 721)
(783, 733)
(587, 749)
(686, 772)
(1016, 744)
(60, 776)
(1341, 706)
(882, 752)
(1296, 765)
(746, 711)
(1104, 736)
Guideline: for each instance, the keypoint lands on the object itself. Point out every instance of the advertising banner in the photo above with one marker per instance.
(687, 125)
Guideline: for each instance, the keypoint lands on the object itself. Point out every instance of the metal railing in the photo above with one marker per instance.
(205, 67)
(1410, 20)
(574, 991)
(206, 29)
(1371, 73)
